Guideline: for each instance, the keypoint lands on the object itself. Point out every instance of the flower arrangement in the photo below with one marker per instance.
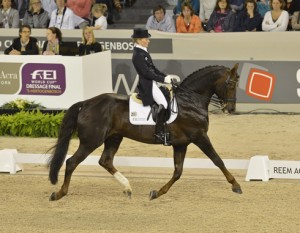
(22, 104)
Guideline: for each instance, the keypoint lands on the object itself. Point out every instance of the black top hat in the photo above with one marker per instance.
(140, 33)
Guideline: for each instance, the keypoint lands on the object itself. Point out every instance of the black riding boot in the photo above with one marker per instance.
(161, 128)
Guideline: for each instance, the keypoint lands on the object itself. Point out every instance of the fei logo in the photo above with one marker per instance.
(43, 79)
(257, 82)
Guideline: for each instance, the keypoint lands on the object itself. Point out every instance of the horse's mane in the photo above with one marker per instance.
(202, 72)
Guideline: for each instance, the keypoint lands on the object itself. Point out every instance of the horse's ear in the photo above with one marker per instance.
(235, 68)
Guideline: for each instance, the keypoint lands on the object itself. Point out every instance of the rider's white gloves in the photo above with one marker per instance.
(168, 79)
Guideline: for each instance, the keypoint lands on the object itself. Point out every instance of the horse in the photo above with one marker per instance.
(105, 119)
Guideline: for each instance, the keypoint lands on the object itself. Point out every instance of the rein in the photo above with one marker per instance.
(214, 100)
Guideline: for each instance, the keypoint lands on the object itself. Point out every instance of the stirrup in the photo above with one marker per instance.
(164, 137)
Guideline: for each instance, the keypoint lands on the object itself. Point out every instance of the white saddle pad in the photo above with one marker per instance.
(138, 113)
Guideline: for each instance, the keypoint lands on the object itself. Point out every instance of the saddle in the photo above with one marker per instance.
(140, 115)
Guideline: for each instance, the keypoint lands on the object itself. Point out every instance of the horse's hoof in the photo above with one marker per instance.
(153, 195)
(127, 193)
(53, 197)
(237, 190)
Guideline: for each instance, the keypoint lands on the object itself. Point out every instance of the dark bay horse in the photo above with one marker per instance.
(105, 119)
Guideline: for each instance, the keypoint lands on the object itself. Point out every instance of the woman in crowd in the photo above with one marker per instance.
(54, 39)
(98, 11)
(9, 17)
(222, 19)
(89, 44)
(36, 16)
(277, 19)
(248, 20)
(24, 44)
(187, 21)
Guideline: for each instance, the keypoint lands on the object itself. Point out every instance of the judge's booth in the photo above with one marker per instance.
(54, 81)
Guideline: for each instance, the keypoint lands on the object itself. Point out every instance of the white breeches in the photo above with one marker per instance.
(158, 96)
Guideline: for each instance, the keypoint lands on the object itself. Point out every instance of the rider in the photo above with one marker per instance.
(149, 75)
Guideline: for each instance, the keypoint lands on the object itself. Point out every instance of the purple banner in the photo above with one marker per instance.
(43, 79)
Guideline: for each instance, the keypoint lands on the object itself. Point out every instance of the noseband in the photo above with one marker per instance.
(230, 85)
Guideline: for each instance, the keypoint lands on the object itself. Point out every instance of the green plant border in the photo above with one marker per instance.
(30, 124)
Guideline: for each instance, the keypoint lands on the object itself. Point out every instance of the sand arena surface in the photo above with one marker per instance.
(201, 201)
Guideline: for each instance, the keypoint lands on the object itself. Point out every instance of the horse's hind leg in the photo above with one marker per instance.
(179, 156)
(205, 145)
(71, 163)
(111, 146)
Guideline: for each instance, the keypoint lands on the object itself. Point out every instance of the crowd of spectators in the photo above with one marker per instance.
(189, 17)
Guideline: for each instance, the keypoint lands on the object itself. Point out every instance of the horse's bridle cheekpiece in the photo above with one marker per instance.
(140, 33)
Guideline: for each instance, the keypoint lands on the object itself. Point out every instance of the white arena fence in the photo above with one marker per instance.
(259, 167)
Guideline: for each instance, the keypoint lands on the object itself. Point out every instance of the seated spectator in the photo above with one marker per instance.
(295, 22)
(206, 8)
(248, 20)
(263, 6)
(54, 39)
(160, 21)
(277, 19)
(49, 6)
(89, 44)
(98, 11)
(36, 16)
(62, 17)
(222, 18)
(81, 8)
(9, 17)
(237, 5)
(187, 21)
(294, 6)
(24, 44)
(194, 3)
(22, 7)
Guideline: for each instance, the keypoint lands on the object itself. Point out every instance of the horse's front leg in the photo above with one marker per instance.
(111, 146)
(205, 145)
(179, 155)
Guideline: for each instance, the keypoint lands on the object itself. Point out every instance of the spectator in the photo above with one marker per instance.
(248, 20)
(98, 12)
(9, 17)
(160, 21)
(277, 19)
(22, 7)
(111, 5)
(54, 39)
(194, 3)
(81, 8)
(62, 17)
(89, 44)
(263, 6)
(206, 8)
(294, 6)
(222, 18)
(24, 44)
(295, 22)
(237, 5)
(49, 6)
(36, 16)
(187, 21)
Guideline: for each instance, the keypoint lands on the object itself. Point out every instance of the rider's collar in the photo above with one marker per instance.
(141, 47)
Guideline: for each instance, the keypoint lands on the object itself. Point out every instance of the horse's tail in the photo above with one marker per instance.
(67, 128)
